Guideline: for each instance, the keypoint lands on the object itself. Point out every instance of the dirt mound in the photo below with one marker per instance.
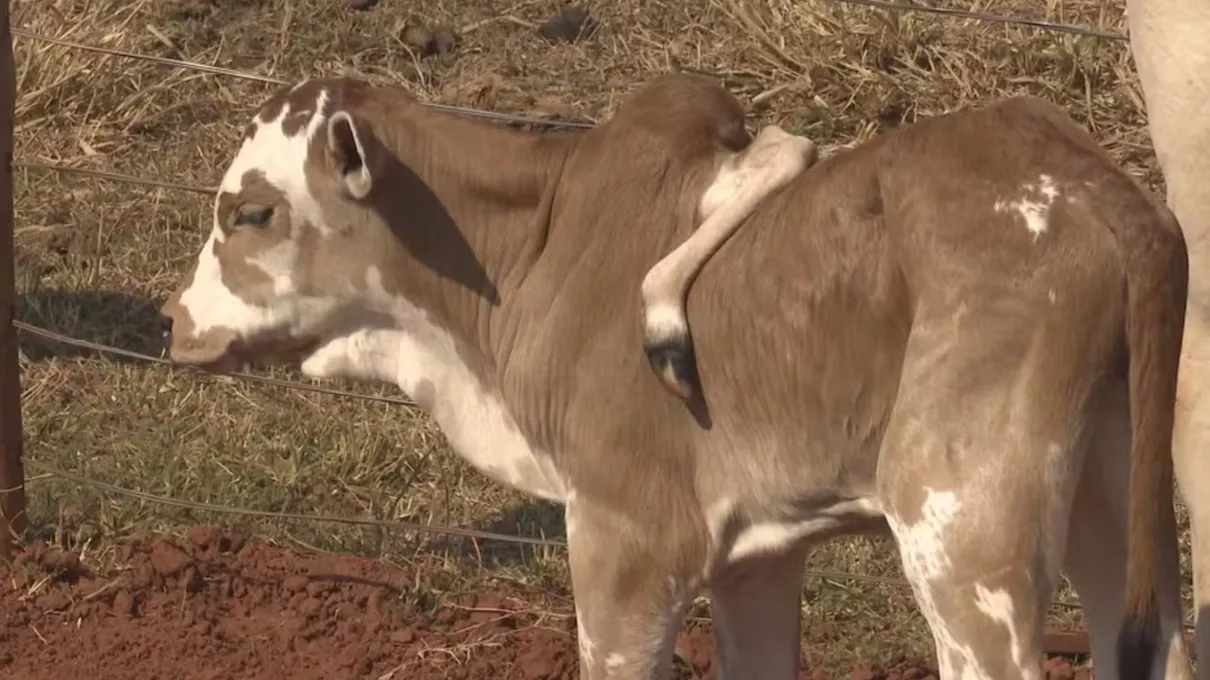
(219, 607)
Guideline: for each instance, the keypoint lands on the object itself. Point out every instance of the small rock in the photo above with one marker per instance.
(167, 559)
(427, 43)
(569, 25)
(123, 605)
(444, 40)
(362, 4)
(403, 637)
(233, 542)
(203, 537)
(417, 37)
(192, 580)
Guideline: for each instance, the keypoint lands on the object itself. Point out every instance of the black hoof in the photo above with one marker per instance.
(674, 363)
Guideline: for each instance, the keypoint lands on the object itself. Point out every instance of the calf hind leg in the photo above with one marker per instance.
(976, 487)
(1096, 547)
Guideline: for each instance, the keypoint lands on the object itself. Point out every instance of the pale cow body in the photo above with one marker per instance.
(889, 346)
(1168, 39)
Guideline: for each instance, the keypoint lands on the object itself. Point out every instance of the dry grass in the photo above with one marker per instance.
(94, 256)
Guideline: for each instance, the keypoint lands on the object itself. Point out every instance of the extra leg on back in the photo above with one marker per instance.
(978, 467)
(772, 159)
(1096, 545)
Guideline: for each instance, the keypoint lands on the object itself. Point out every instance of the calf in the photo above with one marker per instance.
(964, 332)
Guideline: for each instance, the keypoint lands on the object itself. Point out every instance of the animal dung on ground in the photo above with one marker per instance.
(569, 25)
(426, 42)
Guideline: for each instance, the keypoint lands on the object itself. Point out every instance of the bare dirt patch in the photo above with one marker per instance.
(217, 605)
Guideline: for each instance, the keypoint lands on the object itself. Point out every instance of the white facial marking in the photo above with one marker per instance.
(1035, 207)
(423, 361)
(211, 304)
(280, 158)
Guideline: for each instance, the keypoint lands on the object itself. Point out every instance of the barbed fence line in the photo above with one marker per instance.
(84, 481)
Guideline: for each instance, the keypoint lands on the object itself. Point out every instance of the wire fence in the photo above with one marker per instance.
(84, 481)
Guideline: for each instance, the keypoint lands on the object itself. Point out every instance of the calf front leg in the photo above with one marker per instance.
(630, 605)
(757, 616)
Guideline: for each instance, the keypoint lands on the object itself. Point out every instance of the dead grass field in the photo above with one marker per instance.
(95, 257)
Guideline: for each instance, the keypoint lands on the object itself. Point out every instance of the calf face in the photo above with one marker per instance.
(278, 272)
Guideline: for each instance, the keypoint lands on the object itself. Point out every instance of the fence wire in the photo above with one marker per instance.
(84, 481)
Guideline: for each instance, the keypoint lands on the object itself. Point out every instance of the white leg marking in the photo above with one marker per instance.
(998, 606)
(925, 561)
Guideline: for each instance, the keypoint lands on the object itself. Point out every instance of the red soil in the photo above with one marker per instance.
(220, 607)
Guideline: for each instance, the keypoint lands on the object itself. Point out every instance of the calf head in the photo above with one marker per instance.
(295, 247)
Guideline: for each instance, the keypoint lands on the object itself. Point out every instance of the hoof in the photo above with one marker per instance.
(674, 363)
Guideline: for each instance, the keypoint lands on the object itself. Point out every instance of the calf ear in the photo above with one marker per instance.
(346, 143)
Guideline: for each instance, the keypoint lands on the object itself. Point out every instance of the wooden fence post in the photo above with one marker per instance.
(12, 476)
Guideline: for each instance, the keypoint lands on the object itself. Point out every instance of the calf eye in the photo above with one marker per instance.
(253, 217)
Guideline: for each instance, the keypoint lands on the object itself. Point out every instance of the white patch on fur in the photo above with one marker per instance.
(744, 179)
(614, 663)
(588, 648)
(922, 549)
(764, 536)
(211, 305)
(998, 606)
(1035, 208)
(282, 159)
(423, 361)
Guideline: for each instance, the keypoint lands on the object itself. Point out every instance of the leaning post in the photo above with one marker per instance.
(12, 475)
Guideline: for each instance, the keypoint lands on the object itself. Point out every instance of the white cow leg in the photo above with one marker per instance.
(757, 618)
(1172, 55)
(1095, 559)
(628, 610)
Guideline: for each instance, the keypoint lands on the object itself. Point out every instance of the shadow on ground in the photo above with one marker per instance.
(534, 519)
(106, 317)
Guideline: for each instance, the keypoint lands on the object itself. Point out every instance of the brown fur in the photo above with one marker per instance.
(818, 326)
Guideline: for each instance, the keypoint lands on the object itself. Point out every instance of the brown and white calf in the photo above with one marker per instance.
(964, 333)
(1171, 51)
